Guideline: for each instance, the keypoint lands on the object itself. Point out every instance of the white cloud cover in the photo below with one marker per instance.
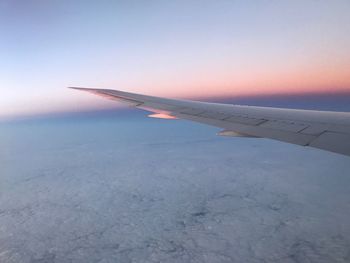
(135, 190)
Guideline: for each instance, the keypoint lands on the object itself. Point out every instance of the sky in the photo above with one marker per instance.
(181, 49)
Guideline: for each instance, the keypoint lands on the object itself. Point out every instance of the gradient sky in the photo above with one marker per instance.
(168, 48)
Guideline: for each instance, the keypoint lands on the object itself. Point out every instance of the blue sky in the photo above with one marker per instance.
(168, 48)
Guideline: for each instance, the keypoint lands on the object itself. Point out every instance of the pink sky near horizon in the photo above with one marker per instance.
(205, 86)
(176, 49)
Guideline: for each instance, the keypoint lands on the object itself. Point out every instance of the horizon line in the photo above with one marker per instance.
(344, 94)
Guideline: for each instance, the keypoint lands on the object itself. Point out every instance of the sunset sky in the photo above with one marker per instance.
(184, 49)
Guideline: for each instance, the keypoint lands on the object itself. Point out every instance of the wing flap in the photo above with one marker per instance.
(253, 130)
(245, 120)
(284, 125)
(214, 115)
(333, 141)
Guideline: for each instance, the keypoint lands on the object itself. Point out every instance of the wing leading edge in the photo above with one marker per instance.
(320, 129)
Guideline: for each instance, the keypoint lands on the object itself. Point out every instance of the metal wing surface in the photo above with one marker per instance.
(320, 129)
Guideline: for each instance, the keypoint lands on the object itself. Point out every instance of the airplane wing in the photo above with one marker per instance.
(320, 129)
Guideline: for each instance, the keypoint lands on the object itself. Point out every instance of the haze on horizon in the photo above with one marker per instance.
(168, 48)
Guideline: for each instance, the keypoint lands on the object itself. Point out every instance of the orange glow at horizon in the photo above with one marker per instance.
(210, 86)
(220, 80)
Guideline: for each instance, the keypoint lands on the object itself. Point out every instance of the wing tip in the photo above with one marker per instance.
(91, 90)
(78, 88)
